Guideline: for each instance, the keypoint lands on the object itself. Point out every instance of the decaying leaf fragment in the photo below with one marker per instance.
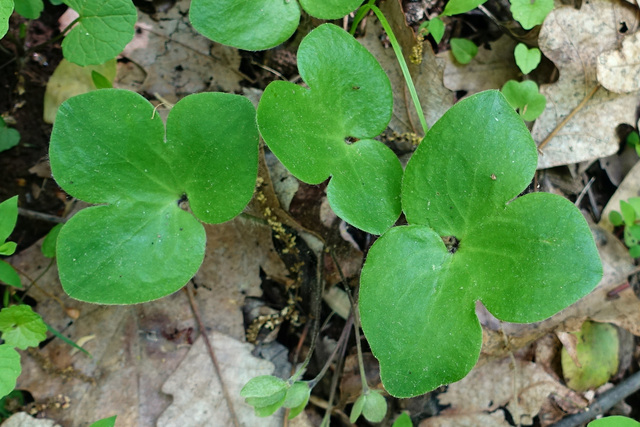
(619, 70)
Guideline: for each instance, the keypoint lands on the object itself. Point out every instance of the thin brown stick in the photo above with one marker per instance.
(214, 359)
(569, 117)
(41, 216)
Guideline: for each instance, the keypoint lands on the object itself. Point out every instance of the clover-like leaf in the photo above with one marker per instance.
(9, 369)
(327, 130)
(103, 30)
(524, 97)
(21, 327)
(30, 9)
(528, 13)
(527, 59)
(6, 8)
(468, 240)
(110, 147)
(259, 24)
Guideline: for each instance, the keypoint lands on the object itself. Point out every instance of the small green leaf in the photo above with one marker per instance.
(103, 30)
(21, 327)
(615, 218)
(527, 59)
(597, 352)
(615, 421)
(327, 130)
(6, 8)
(356, 409)
(628, 212)
(8, 217)
(634, 251)
(525, 98)
(297, 398)
(264, 392)
(633, 139)
(105, 422)
(404, 420)
(375, 406)
(9, 369)
(635, 203)
(100, 81)
(529, 14)
(435, 27)
(463, 50)
(265, 411)
(109, 146)
(9, 137)
(50, 242)
(456, 7)
(30, 9)
(9, 275)
(631, 233)
(524, 258)
(8, 248)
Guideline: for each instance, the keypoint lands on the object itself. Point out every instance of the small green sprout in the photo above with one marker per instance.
(629, 217)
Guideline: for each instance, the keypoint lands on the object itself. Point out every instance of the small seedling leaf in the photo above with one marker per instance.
(105, 422)
(9, 369)
(435, 27)
(265, 392)
(530, 14)
(375, 406)
(615, 421)
(8, 248)
(527, 59)
(6, 8)
(628, 212)
(9, 275)
(49, 243)
(455, 7)
(9, 137)
(597, 352)
(468, 240)
(8, 217)
(21, 327)
(103, 30)
(616, 218)
(297, 398)
(30, 9)
(328, 129)
(356, 409)
(142, 245)
(634, 251)
(633, 139)
(329, 9)
(404, 420)
(463, 50)
(525, 98)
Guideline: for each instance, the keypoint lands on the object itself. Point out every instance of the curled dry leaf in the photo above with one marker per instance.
(619, 70)
(573, 40)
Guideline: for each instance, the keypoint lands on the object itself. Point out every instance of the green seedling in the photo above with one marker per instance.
(20, 328)
(456, 7)
(267, 394)
(435, 27)
(327, 130)
(259, 24)
(463, 50)
(141, 244)
(371, 405)
(597, 354)
(530, 13)
(525, 98)
(615, 421)
(469, 239)
(9, 137)
(8, 219)
(105, 422)
(527, 59)
(629, 216)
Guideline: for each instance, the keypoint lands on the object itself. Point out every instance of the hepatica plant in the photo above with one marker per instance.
(109, 147)
(328, 129)
(259, 24)
(470, 238)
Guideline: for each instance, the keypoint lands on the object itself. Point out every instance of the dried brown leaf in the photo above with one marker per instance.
(619, 70)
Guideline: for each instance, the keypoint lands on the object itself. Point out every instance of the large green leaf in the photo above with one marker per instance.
(6, 9)
(21, 327)
(103, 30)
(30, 9)
(109, 146)
(259, 24)
(468, 240)
(9, 369)
(312, 130)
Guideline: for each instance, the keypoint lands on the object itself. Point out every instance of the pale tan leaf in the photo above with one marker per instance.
(619, 70)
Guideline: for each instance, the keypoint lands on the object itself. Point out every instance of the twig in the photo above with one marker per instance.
(584, 191)
(41, 216)
(214, 359)
(569, 117)
(605, 402)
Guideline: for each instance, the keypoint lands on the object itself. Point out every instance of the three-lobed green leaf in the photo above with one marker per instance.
(103, 30)
(259, 24)
(525, 98)
(140, 244)
(21, 327)
(328, 129)
(468, 240)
